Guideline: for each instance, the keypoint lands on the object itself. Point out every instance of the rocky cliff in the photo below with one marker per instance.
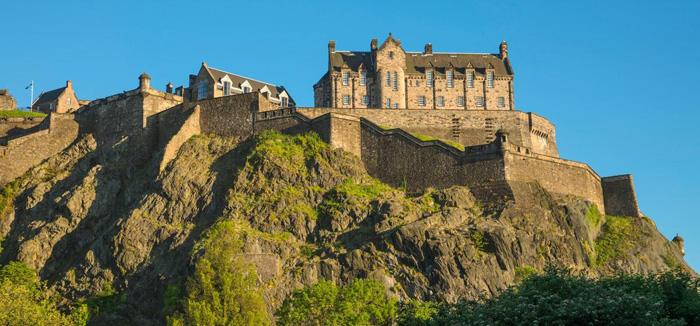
(96, 225)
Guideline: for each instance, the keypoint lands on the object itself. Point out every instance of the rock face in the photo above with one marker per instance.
(89, 221)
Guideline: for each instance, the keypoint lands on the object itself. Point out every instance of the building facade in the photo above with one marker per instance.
(61, 100)
(389, 77)
(212, 83)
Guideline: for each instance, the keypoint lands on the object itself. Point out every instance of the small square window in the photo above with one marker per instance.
(421, 100)
(480, 101)
(501, 102)
(460, 101)
(346, 99)
(440, 101)
(365, 100)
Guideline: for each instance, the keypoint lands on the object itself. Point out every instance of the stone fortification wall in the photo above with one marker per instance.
(7, 101)
(464, 126)
(230, 116)
(620, 197)
(19, 154)
(176, 126)
(18, 126)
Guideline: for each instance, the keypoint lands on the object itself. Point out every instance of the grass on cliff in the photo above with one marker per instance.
(618, 237)
(448, 142)
(21, 114)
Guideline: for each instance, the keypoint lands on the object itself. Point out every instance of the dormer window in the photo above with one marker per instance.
(363, 78)
(470, 79)
(429, 78)
(450, 78)
(227, 88)
(345, 78)
(246, 89)
(489, 79)
(284, 102)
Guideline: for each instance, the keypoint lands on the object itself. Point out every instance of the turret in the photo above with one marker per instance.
(428, 49)
(169, 88)
(144, 81)
(678, 241)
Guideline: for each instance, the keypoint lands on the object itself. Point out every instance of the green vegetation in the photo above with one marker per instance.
(223, 290)
(477, 239)
(416, 312)
(21, 114)
(7, 196)
(524, 272)
(272, 146)
(106, 302)
(362, 302)
(593, 216)
(24, 300)
(448, 142)
(618, 237)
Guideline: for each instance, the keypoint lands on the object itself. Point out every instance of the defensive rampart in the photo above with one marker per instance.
(18, 126)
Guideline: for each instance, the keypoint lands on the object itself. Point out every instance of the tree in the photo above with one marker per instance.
(361, 302)
(223, 290)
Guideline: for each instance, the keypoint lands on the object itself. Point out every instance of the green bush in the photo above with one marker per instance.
(617, 238)
(223, 290)
(361, 302)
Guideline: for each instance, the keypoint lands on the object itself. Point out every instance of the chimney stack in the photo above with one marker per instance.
(169, 88)
(503, 49)
(331, 46)
(144, 81)
(69, 84)
(373, 44)
(428, 49)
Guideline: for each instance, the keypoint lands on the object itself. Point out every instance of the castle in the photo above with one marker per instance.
(417, 120)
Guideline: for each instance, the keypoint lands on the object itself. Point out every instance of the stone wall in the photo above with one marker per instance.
(466, 127)
(17, 126)
(7, 101)
(339, 131)
(620, 197)
(176, 126)
(21, 153)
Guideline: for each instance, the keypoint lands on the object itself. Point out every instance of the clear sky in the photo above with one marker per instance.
(619, 79)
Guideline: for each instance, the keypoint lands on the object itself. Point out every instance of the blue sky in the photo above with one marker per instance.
(618, 79)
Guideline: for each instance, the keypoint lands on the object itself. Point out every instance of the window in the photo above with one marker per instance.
(227, 88)
(501, 102)
(489, 77)
(246, 89)
(396, 105)
(421, 100)
(396, 82)
(69, 99)
(388, 103)
(417, 83)
(460, 101)
(410, 82)
(51, 107)
(202, 90)
(345, 79)
(479, 101)
(450, 78)
(388, 79)
(470, 79)
(284, 102)
(365, 100)
(391, 54)
(363, 78)
(440, 101)
(429, 78)
(346, 99)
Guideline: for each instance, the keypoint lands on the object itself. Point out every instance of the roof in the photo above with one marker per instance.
(257, 85)
(49, 96)
(416, 62)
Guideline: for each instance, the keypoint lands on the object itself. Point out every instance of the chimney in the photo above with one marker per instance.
(193, 78)
(331, 46)
(144, 81)
(428, 49)
(169, 88)
(503, 49)
(373, 44)
(204, 63)
(69, 84)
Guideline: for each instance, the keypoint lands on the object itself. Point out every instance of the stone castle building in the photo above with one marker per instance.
(389, 77)
(7, 101)
(60, 100)
(399, 112)
(212, 83)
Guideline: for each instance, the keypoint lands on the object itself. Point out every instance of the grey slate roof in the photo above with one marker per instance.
(416, 62)
(49, 96)
(237, 80)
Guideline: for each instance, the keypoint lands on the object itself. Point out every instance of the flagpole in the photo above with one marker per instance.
(31, 101)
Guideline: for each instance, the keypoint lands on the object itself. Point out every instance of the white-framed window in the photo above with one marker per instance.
(396, 81)
(388, 79)
(284, 102)
(346, 99)
(480, 101)
(429, 78)
(421, 100)
(246, 89)
(460, 100)
(450, 78)
(201, 90)
(227, 88)
(470, 79)
(346, 77)
(388, 103)
(501, 102)
(441, 101)
(69, 99)
(489, 79)
(396, 105)
(365, 99)
(417, 83)
(363, 78)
